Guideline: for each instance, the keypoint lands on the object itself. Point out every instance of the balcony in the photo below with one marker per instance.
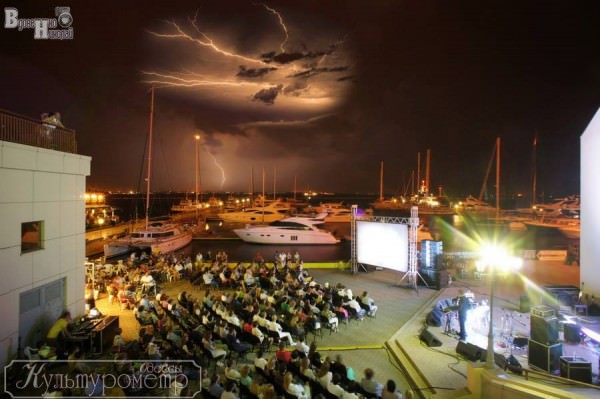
(23, 130)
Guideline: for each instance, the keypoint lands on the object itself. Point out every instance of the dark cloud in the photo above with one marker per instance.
(245, 72)
(297, 88)
(267, 96)
(344, 78)
(315, 71)
(286, 58)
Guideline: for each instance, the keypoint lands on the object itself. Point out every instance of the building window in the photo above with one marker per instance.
(32, 236)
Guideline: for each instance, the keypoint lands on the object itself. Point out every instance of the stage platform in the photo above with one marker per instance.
(445, 371)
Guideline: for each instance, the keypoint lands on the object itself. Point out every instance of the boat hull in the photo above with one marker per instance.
(286, 238)
(162, 246)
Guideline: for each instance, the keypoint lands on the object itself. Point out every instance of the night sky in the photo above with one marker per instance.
(353, 83)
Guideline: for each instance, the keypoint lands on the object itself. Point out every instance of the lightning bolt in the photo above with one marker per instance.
(192, 80)
(280, 18)
(205, 41)
(223, 178)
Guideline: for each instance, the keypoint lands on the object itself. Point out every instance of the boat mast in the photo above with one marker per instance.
(274, 182)
(380, 180)
(412, 182)
(149, 154)
(534, 162)
(427, 170)
(497, 177)
(252, 184)
(294, 187)
(263, 194)
(418, 172)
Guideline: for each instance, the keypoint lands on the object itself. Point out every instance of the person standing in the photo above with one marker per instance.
(463, 308)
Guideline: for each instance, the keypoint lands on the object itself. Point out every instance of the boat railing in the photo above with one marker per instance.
(23, 130)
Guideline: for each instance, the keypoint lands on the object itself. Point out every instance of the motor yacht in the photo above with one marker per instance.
(289, 231)
(275, 210)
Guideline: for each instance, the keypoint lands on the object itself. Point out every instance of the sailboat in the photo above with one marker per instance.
(159, 237)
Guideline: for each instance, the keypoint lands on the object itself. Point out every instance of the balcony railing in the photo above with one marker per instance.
(23, 130)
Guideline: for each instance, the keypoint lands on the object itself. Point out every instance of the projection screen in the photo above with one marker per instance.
(382, 244)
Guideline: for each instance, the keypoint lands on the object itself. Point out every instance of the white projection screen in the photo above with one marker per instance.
(382, 244)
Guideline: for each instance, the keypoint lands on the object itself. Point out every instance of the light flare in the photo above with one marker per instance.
(280, 18)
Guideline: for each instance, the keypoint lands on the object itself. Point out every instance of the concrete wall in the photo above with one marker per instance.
(590, 207)
(40, 184)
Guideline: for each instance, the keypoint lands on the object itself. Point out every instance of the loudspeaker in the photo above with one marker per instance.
(545, 357)
(566, 295)
(434, 318)
(520, 342)
(576, 368)
(470, 351)
(572, 333)
(430, 339)
(436, 279)
(544, 329)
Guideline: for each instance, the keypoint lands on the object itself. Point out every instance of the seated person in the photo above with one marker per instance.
(370, 385)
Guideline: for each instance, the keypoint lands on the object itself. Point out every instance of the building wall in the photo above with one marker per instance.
(590, 208)
(40, 184)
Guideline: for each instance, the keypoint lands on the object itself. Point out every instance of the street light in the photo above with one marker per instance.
(495, 259)
(197, 137)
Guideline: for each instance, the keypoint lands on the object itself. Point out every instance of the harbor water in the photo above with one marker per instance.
(458, 233)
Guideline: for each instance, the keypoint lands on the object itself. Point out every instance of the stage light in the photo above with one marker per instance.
(497, 259)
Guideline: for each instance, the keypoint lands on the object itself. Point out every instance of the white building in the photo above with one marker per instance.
(42, 229)
(590, 208)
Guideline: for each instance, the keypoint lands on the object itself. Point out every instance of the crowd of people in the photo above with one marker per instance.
(254, 307)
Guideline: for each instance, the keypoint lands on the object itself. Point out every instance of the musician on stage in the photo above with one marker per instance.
(58, 333)
(464, 305)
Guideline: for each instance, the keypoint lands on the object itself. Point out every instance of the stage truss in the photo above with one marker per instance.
(412, 274)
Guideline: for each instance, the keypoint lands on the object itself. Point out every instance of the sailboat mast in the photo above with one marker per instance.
(419, 172)
(534, 162)
(263, 194)
(274, 181)
(149, 155)
(412, 182)
(252, 184)
(497, 177)
(295, 188)
(427, 171)
(380, 180)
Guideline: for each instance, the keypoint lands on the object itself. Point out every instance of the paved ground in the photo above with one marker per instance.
(396, 304)
(400, 319)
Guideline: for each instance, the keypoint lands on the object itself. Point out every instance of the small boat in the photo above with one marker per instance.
(289, 231)
(157, 238)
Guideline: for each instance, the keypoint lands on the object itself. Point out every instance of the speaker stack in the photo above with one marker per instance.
(544, 349)
(431, 266)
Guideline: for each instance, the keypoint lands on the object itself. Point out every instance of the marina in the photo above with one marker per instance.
(300, 200)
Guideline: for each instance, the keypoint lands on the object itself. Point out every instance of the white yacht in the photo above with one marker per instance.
(472, 204)
(275, 210)
(158, 238)
(559, 206)
(290, 231)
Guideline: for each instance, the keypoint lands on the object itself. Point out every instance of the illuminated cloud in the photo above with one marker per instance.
(291, 78)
